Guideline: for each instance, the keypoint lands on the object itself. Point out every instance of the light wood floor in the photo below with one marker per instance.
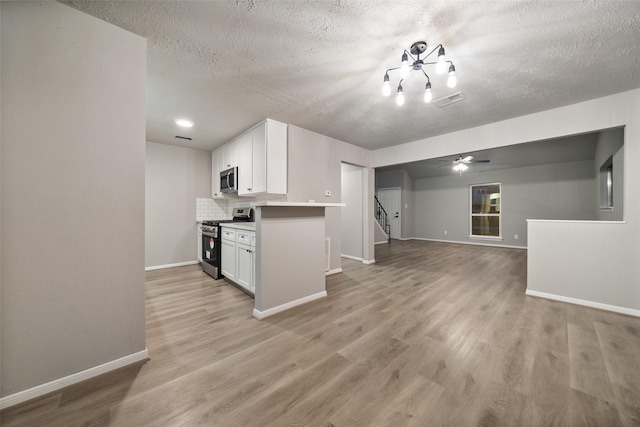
(432, 334)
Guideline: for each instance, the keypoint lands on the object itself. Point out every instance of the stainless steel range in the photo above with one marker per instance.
(211, 241)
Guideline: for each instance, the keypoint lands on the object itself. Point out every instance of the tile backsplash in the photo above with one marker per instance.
(207, 208)
(211, 209)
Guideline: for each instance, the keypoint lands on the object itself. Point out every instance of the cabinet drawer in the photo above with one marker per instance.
(228, 234)
(245, 237)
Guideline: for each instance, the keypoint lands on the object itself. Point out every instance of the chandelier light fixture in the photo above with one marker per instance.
(417, 49)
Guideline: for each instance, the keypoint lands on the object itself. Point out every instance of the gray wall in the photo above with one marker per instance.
(73, 149)
(175, 177)
(611, 143)
(315, 166)
(352, 213)
(556, 191)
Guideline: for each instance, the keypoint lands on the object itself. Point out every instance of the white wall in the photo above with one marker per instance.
(351, 220)
(618, 245)
(554, 191)
(73, 149)
(175, 177)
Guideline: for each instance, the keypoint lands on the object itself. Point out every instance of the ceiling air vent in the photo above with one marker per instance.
(183, 137)
(450, 99)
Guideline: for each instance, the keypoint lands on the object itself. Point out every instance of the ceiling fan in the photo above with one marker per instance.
(460, 163)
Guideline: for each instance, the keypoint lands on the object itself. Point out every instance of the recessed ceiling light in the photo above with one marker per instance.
(184, 123)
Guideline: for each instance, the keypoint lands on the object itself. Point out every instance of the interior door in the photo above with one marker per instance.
(390, 200)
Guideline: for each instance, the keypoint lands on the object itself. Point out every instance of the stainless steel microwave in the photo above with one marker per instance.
(229, 180)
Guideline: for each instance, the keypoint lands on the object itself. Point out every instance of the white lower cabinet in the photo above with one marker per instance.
(228, 253)
(245, 266)
(238, 257)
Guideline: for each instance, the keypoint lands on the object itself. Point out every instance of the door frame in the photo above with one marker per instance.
(399, 191)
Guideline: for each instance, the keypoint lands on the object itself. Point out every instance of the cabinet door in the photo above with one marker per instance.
(259, 152)
(244, 266)
(230, 155)
(276, 157)
(228, 254)
(216, 161)
(245, 161)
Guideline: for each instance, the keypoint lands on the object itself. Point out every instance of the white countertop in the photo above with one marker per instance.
(296, 204)
(250, 226)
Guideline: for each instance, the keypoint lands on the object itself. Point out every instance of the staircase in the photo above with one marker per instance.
(383, 219)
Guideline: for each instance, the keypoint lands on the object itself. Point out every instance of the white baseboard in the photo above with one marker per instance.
(334, 271)
(270, 312)
(368, 261)
(351, 257)
(41, 390)
(381, 243)
(468, 243)
(178, 264)
(607, 307)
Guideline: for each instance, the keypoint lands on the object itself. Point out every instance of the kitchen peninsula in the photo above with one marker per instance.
(290, 255)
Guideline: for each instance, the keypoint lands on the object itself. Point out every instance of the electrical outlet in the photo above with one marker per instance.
(445, 232)
(515, 236)
(327, 193)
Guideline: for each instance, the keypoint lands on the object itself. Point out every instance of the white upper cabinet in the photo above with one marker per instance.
(230, 155)
(245, 163)
(216, 161)
(268, 166)
(261, 157)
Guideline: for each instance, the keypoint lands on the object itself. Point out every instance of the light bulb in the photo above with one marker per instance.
(452, 81)
(405, 60)
(400, 97)
(405, 70)
(428, 96)
(386, 89)
(441, 66)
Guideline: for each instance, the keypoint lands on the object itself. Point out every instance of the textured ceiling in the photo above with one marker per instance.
(320, 64)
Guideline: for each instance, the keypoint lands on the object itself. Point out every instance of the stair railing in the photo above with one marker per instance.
(383, 218)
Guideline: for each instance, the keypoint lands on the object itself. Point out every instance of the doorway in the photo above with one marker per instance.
(390, 199)
(352, 214)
